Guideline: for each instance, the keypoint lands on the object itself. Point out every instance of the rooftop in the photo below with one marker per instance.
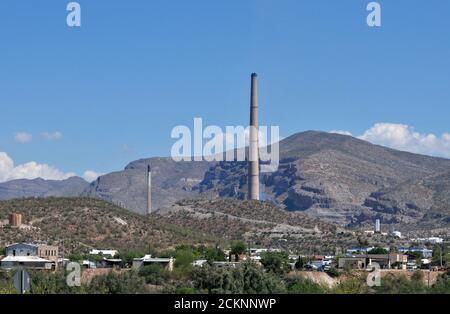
(28, 259)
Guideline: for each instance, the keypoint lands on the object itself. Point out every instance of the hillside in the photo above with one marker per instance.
(79, 224)
(23, 188)
(259, 223)
(334, 177)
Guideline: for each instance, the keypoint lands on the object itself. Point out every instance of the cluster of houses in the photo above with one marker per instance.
(39, 256)
(46, 257)
(404, 258)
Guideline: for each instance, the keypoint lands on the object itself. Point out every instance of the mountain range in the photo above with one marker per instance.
(23, 188)
(334, 177)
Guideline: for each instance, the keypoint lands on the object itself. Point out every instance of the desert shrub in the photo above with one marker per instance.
(128, 282)
(400, 284)
(246, 279)
(333, 272)
(351, 286)
(442, 284)
(301, 285)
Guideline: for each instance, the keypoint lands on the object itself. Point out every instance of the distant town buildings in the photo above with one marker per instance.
(426, 253)
(432, 240)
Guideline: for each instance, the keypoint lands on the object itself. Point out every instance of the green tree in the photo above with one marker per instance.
(183, 260)
(378, 250)
(440, 252)
(301, 262)
(214, 254)
(276, 262)
(238, 248)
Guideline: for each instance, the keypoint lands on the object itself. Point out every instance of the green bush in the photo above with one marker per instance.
(154, 274)
(128, 282)
(301, 285)
(333, 272)
(442, 284)
(245, 279)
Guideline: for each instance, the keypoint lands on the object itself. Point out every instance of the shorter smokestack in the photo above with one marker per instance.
(253, 162)
(149, 190)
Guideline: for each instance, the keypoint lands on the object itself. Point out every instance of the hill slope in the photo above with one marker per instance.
(255, 222)
(23, 188)
(79, 224)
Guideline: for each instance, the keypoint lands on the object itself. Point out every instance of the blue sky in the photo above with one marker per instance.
(116, 87)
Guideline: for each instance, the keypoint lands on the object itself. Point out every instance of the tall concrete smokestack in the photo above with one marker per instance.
(253, 161)
(149, 190)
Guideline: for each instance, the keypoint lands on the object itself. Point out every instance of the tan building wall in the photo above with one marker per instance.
(49, 252)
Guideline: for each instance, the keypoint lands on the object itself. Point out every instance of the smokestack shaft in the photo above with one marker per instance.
(253, 163)
(149, 190)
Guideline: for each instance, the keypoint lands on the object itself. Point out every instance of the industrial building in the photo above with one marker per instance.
(385, 261)
(39, 256)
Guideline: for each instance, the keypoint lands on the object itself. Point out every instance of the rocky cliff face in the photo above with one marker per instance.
(345, 180)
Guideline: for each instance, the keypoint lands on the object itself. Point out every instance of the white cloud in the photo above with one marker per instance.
(29, 170)
(91, 176)
(52, 136)
(23, 137)
(404, 137)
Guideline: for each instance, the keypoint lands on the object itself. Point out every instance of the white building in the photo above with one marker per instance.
(111, 253)
(432, 240)
(148, 259)
(199, 262)
(29, 262)
(377, 226)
